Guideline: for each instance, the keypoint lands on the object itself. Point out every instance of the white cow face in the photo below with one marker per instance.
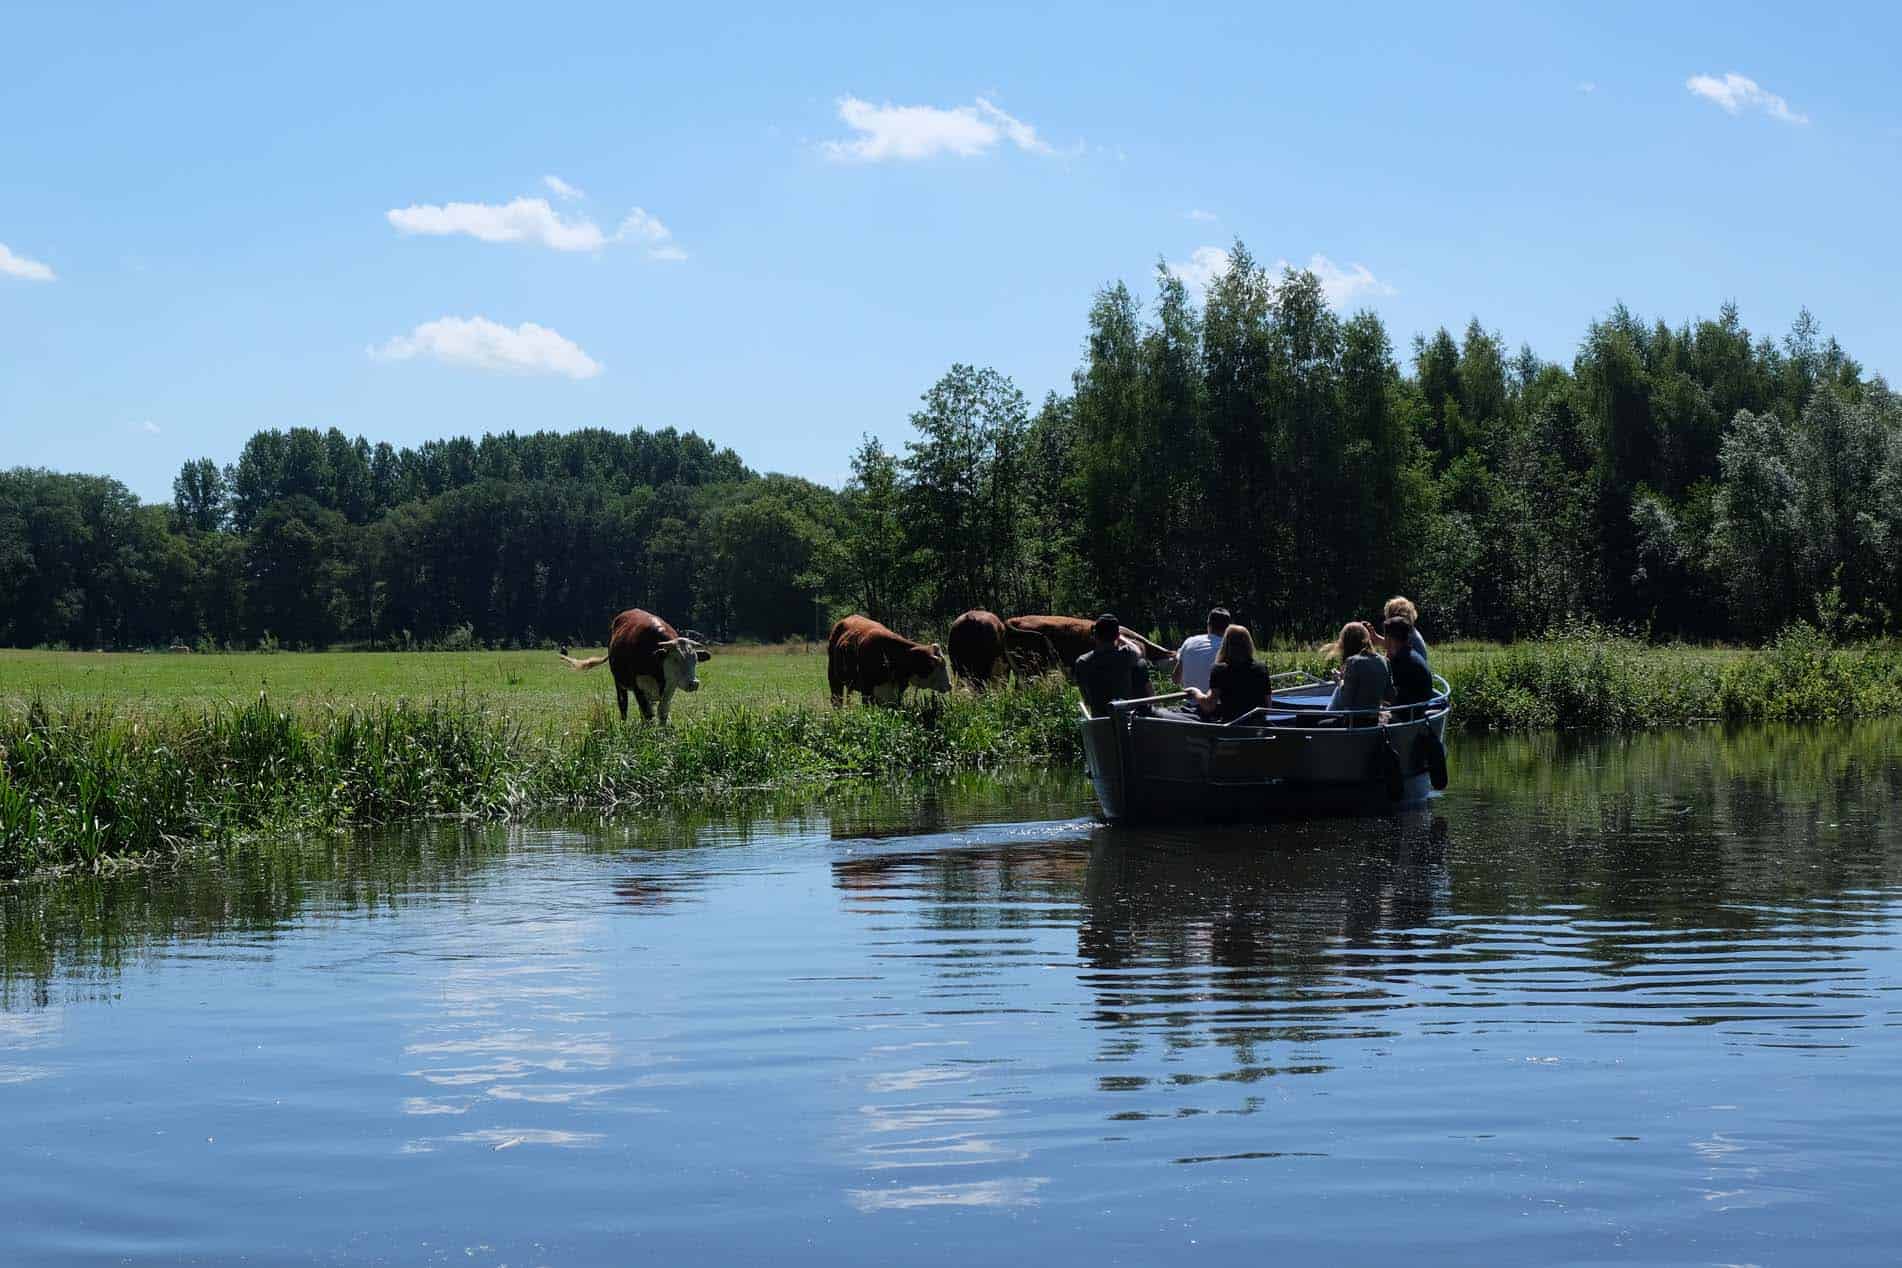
(938, 678)
(680, 663)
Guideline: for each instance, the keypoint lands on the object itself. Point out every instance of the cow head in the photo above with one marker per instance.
(680, 663)
(928, 669)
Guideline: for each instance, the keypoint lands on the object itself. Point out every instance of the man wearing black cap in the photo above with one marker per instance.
(1113, 670)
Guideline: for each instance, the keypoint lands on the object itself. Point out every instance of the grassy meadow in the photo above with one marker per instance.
(534, 686)
(530, 684)
(115, 757)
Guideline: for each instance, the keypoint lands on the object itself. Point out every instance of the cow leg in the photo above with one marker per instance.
(836, 681)
(666, 703)
(647, 706)
(620, 698)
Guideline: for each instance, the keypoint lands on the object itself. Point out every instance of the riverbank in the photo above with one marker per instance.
(84, 785)
(85, 780)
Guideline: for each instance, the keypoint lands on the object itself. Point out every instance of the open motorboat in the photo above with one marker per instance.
(1151, 761)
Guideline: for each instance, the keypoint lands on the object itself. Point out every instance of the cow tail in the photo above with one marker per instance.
(589, 663)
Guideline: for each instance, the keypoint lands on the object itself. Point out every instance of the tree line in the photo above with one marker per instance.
(1247, 445)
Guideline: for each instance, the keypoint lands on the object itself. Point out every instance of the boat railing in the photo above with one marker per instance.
(1310, 715)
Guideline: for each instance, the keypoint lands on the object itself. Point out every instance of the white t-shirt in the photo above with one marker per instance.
(1197, 657)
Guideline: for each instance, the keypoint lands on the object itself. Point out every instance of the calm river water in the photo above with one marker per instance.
(1631, 1002)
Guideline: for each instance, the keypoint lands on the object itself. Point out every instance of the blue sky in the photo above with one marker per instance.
(219, 221)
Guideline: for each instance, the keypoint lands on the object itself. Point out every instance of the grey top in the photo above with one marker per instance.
(1419, 644)
(1365, 683)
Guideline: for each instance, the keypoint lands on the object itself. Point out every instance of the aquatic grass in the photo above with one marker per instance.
(1591, 680)
(84, 784)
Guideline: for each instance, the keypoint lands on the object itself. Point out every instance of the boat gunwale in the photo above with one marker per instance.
(1437, 705)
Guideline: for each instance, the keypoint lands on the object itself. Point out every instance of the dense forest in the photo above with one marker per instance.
(1249, 446)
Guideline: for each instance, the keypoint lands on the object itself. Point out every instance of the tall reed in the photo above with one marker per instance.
(84, 784)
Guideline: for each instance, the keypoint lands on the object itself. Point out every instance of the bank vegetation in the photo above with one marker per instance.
(87, 783)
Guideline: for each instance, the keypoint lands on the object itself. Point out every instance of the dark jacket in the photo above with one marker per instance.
(1412, 680)
(1115, 673)
(1239, 689)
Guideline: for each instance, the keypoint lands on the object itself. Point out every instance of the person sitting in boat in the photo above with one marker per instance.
(1400, 605)
(1364, 680)
(1196, 656)
(1113, 669)
(1238, 683)
(1406, 665)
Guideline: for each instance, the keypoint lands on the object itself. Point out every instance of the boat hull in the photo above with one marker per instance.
(1147, 768)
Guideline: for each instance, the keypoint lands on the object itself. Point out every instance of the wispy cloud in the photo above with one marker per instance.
(1736, 93)
(19, 266)
(1587, 86)
(149, 427)
(523, 220)
(534, 220)
(561, 188)
(481, 344)
(1203, 266)
(1338, 284)
(1342, 284)
(645, 228)
(922, 132)
(1197, 214)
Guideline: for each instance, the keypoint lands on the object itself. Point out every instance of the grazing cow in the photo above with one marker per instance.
(649, 658)
(1068, 637)
(864, 656)
(977, 646)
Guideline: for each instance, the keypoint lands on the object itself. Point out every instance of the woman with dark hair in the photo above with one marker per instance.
(1238, 683)
(1365, 682)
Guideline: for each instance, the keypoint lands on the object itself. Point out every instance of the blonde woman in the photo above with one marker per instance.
(1365, 682)
(1238, 683)
(1401, 606)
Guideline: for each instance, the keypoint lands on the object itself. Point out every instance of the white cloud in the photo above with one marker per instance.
(922, 132)
(1203, 266)
(534, 220)
(1205, 217)
(523, 220)
(645, 227)
(149, 427)
(1338, 284)
(19, 266)
(561, 188)
(1587, 86)
(1734, 93)
(1342, 284)
(481, 344)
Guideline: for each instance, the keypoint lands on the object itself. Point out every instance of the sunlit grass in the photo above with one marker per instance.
(529, 684)
(127, 757)
(82, 783)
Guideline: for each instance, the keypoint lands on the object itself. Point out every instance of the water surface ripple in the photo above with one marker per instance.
(1632, 1001)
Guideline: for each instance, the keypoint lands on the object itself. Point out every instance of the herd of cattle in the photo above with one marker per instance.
(653, 660)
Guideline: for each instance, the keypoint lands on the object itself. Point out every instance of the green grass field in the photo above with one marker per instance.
(531, 685)
(138, 756)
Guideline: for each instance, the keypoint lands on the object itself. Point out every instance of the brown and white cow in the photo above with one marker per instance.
(864, 656)
(649, 658)
(976, 641)
(1068, 637)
